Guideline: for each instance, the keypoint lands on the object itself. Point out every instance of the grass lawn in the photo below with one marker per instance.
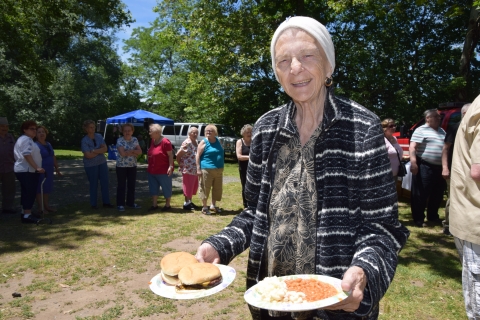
(96, 264)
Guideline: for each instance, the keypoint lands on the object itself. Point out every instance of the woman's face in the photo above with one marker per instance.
(193, 134)
(30, 132)
(209, 132)
(90, 129)
(301, 65)
(41, 134)
(390, 129)
(247, 134)
(153, 134)
(127, 132)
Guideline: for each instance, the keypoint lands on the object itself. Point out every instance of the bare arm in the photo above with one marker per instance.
(413, 158)
(31, 162)
(445, 150)
(238, 150)
(475, 172)
(170, 161)
(200, 149)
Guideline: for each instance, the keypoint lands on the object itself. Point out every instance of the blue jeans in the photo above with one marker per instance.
(94, 174)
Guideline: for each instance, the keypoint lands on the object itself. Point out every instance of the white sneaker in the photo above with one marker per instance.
(120, 208)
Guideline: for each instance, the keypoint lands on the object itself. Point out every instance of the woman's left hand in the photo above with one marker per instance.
(354, 281)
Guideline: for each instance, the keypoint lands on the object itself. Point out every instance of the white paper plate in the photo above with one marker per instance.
(158, 286)
(253, 297)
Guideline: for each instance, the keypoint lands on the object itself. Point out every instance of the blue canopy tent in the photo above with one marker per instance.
(137, 118)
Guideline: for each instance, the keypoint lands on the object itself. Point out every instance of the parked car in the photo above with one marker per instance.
(450, 113)
(178, 133)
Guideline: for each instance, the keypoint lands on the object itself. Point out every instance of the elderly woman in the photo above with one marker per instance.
(186, 158)
(28, 164)
(395, 152)
(243, 152)
(160, 167)
(321, 199)
(128, 150)
(50, 164)
(210, 162)
(95, 164)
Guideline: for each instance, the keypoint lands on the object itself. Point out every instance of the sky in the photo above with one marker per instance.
(142, 13)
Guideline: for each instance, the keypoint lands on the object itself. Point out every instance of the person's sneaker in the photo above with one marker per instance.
(135, 206)
(420, 224)
(188, 206)
(215, 209)
(194, 206)
(447, 231)
(108, 205)
(31, 219)
(120, 208)
(206, 211)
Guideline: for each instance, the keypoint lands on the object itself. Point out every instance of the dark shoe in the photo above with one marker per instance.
(189, 206)
(8, 211)
(153, 208)
(420, 224)
(108, 205)
(446, 231)
(135, 206)
(165, 208)
(435, 221)
(194, 206)
(31, 219)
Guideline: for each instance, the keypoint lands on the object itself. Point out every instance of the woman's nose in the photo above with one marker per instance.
(296, 66)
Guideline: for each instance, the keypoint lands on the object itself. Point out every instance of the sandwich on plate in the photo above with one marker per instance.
(198, 276)
(171, 265)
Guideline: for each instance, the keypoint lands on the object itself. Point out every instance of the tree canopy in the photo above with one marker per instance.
(58, 64)
(210, 61)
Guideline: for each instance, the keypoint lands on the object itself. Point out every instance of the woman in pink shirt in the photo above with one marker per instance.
(395, 152)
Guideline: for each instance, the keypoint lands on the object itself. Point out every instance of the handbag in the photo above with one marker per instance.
(402, 171)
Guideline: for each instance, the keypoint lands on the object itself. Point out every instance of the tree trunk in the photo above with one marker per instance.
(471, 41)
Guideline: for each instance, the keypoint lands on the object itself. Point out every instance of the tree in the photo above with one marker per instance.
(57, 57)
(396, 58)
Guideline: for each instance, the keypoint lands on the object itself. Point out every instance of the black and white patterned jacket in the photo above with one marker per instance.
(357, 218)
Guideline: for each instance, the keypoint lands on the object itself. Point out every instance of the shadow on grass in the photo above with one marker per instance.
(428, 246)
(73, 223)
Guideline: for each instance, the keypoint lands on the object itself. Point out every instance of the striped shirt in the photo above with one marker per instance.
(430, 143)
(356, 201)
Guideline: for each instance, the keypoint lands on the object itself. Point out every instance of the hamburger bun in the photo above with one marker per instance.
(172, 263)
(198, 276)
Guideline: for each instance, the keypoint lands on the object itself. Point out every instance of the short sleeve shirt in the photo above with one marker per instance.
(23, 147)
(130, 161)
(430, 143)
(89, 145)
(158, 160)
(188, 164)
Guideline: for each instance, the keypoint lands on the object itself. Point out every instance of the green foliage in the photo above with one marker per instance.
(209, 61)
(57, 63)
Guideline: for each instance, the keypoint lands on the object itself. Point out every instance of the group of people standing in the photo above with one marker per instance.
(31, 159)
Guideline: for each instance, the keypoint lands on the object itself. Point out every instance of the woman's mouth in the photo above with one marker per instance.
(301, 83)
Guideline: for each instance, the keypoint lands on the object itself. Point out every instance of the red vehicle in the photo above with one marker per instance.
(450, 113)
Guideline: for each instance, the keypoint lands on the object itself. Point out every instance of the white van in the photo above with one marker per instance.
(177, 133)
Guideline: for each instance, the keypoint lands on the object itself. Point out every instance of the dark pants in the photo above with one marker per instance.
(28, 186)
(126, 178)
(428, 185)
(243, 180)
(8, 190)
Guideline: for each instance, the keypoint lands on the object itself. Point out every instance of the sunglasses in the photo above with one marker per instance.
(392, 126)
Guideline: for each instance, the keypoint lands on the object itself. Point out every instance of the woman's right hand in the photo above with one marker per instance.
(40, 170)
(206, 253)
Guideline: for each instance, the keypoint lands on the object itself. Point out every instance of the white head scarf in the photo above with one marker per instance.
(312, 27)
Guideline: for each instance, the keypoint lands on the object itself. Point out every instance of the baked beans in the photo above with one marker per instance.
(313, 289)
